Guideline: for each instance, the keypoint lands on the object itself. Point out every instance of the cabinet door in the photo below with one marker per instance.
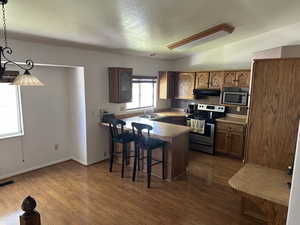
(236, 147)
(185, 83)
(221, 141)
(163, 85)
(243, 79)
(216, 80)
(125, 85)
(202, 80)
(229, 79)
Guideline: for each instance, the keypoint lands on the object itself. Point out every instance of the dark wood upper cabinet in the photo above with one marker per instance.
(120, 85)
(166, 84)
(216, 79)
(184, 85)
(202, 80)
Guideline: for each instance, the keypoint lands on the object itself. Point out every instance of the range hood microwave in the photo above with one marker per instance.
(200, 93)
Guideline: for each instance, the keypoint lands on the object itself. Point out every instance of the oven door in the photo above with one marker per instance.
(203, 142)
(235, 98)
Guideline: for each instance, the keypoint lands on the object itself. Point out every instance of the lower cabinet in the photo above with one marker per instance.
(229, 139)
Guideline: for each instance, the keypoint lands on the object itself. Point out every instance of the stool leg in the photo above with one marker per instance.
(163, 163)
(127, 153)
(136, 158)
(139, 158)
(124, 154)
(149, 166)
(112, 153)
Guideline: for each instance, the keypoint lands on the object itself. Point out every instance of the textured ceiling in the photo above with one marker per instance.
(145, 26)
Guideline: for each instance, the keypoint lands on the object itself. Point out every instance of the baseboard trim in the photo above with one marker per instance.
(7, 176)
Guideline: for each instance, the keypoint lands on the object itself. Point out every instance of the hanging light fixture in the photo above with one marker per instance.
(25, 79)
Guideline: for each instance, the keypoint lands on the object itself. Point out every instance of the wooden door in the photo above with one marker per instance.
(274, 112)
(216, 79)
(221, 141)
(236, 148)
(185, 84)
(229, 79)
(243, 79)
(202, 80)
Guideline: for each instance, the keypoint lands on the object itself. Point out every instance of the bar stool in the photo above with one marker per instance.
(149, 144)
(123, 138)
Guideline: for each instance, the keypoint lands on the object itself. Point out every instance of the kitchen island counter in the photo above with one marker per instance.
(176, 147)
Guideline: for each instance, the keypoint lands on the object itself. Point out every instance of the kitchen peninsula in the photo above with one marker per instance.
(176, 148)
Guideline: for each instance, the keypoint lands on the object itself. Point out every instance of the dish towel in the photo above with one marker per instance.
(198, 126)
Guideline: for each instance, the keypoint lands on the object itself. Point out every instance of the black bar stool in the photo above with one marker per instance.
(122, 137)
(149, 144)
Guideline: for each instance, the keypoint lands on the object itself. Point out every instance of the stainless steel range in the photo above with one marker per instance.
(202, 138)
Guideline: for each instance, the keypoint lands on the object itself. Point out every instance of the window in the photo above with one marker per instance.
(143, 93)
(10, 111)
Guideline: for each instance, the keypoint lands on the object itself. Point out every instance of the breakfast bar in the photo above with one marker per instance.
(176, 147)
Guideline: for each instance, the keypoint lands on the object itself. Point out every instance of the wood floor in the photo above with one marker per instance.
(71, 194)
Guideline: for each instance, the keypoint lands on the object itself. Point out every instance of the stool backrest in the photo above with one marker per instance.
(137, 129)
(114, 125)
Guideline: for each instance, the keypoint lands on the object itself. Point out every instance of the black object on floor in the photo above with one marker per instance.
(6, 183)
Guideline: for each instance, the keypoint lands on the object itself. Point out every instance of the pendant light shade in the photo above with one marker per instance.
(27, 79)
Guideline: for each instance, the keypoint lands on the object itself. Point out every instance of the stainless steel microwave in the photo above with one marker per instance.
(235, 98)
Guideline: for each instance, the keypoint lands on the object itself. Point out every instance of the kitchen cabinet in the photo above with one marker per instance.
(202, 80)
(166, 84)
(216, 79)
(120, 85)
(184, 85)
(274, 112)
(229, 79)
(243, 79)
(230, 139)
(237, 79)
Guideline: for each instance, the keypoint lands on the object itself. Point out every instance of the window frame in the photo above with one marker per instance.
(144, 79)
(20, 117)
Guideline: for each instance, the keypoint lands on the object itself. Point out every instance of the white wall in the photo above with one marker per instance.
(77, 114)
(95, 64)
(294, 205)
(46, 123)
(238, 55)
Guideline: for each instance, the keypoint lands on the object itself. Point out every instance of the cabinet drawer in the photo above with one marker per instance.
(230, 127)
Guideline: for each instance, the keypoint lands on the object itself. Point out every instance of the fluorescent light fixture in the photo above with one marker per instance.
(212, 33)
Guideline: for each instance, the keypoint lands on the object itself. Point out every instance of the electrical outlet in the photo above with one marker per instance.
(56, 147)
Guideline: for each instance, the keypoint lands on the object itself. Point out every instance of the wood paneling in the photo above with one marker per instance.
(216, 79)
(69, 193)
(265, 212)
(184, 83)
(274, 112)
(202, 80)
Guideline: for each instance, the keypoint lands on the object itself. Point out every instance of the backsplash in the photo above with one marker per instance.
(180, 103)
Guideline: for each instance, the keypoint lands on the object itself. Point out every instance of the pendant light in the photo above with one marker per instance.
(25, 79)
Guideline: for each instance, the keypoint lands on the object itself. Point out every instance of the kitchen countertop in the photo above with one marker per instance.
(262, 182)
(160, 130)
(235, 119)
